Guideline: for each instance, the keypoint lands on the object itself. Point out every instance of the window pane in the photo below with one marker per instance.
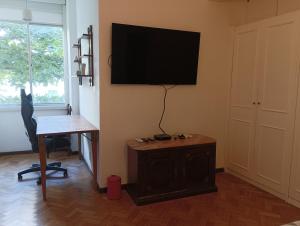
(47, 64)
(14, 72)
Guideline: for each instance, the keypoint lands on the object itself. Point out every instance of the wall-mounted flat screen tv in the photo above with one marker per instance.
(145, 55)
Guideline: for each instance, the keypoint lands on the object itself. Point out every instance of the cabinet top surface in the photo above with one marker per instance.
(195, 140)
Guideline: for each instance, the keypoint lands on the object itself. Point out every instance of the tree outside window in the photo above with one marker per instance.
(31, 57)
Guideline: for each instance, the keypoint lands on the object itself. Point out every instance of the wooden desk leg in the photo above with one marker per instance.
(42, 152)
(95, 138)
(79, 146)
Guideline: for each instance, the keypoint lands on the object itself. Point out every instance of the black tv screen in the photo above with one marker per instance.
(144, 55)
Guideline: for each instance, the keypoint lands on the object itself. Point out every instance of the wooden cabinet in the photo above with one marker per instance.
(263, 101)
(162, 170)
(196, 167)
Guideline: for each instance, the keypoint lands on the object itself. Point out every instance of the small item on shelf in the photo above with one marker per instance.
(139, 140)
(144, 140)
(85, 36)
(83, 67)
(76, 45)
(182, 136)
(188, 135)
(77, 59)
(78, 73)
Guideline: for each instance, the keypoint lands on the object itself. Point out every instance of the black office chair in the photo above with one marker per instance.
(31, 125)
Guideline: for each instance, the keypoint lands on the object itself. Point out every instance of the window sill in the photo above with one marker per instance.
(40, 107)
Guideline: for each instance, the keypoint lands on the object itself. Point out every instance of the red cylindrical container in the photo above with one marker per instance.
(114, 187)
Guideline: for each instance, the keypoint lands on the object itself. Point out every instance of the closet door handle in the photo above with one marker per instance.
(254, 103)
(258, 103)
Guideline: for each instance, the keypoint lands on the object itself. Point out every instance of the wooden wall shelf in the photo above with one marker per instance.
(85, 57)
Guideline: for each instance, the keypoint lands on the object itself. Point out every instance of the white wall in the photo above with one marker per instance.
(71, 38)
(129, 111)
(87, 14)
(12, 130)
(70, 67)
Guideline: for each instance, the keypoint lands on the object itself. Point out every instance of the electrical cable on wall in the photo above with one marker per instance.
(166, 89)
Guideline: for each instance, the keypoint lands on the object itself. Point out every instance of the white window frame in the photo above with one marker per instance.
(43, 106)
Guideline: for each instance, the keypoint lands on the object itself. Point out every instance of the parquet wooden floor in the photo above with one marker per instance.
(73, 202)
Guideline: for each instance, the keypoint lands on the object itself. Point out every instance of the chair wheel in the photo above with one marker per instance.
(39, 181)
(20, 178)
(65, 174)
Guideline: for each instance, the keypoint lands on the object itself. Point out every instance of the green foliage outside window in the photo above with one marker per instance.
(46, 53)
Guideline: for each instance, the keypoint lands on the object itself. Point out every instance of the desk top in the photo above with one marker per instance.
(195, 140)
(63, 124)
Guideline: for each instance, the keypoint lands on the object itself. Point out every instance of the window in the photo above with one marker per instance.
(31, 57)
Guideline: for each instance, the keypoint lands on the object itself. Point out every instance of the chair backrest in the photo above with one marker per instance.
(29, 121)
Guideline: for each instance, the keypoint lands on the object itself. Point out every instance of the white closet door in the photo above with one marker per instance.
(295, 174)
(243, 95)
(278, 75)
(294, 192)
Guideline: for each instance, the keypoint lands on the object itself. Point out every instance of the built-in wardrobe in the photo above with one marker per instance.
(264, 120)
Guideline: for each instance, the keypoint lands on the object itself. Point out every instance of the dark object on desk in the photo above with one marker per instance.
(163, 136)
(171, 169)
(69, 109)
(31, 125)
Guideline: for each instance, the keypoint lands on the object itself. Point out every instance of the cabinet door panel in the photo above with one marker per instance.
(160, 172)
(278, 69)
(294, 191)
(243, 78)
(295, 174)
(243, 95)
(197, 168)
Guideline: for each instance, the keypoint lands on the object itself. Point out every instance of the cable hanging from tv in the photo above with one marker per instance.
(164, 134)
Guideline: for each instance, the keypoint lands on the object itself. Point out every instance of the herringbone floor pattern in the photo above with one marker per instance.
(73, 202)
